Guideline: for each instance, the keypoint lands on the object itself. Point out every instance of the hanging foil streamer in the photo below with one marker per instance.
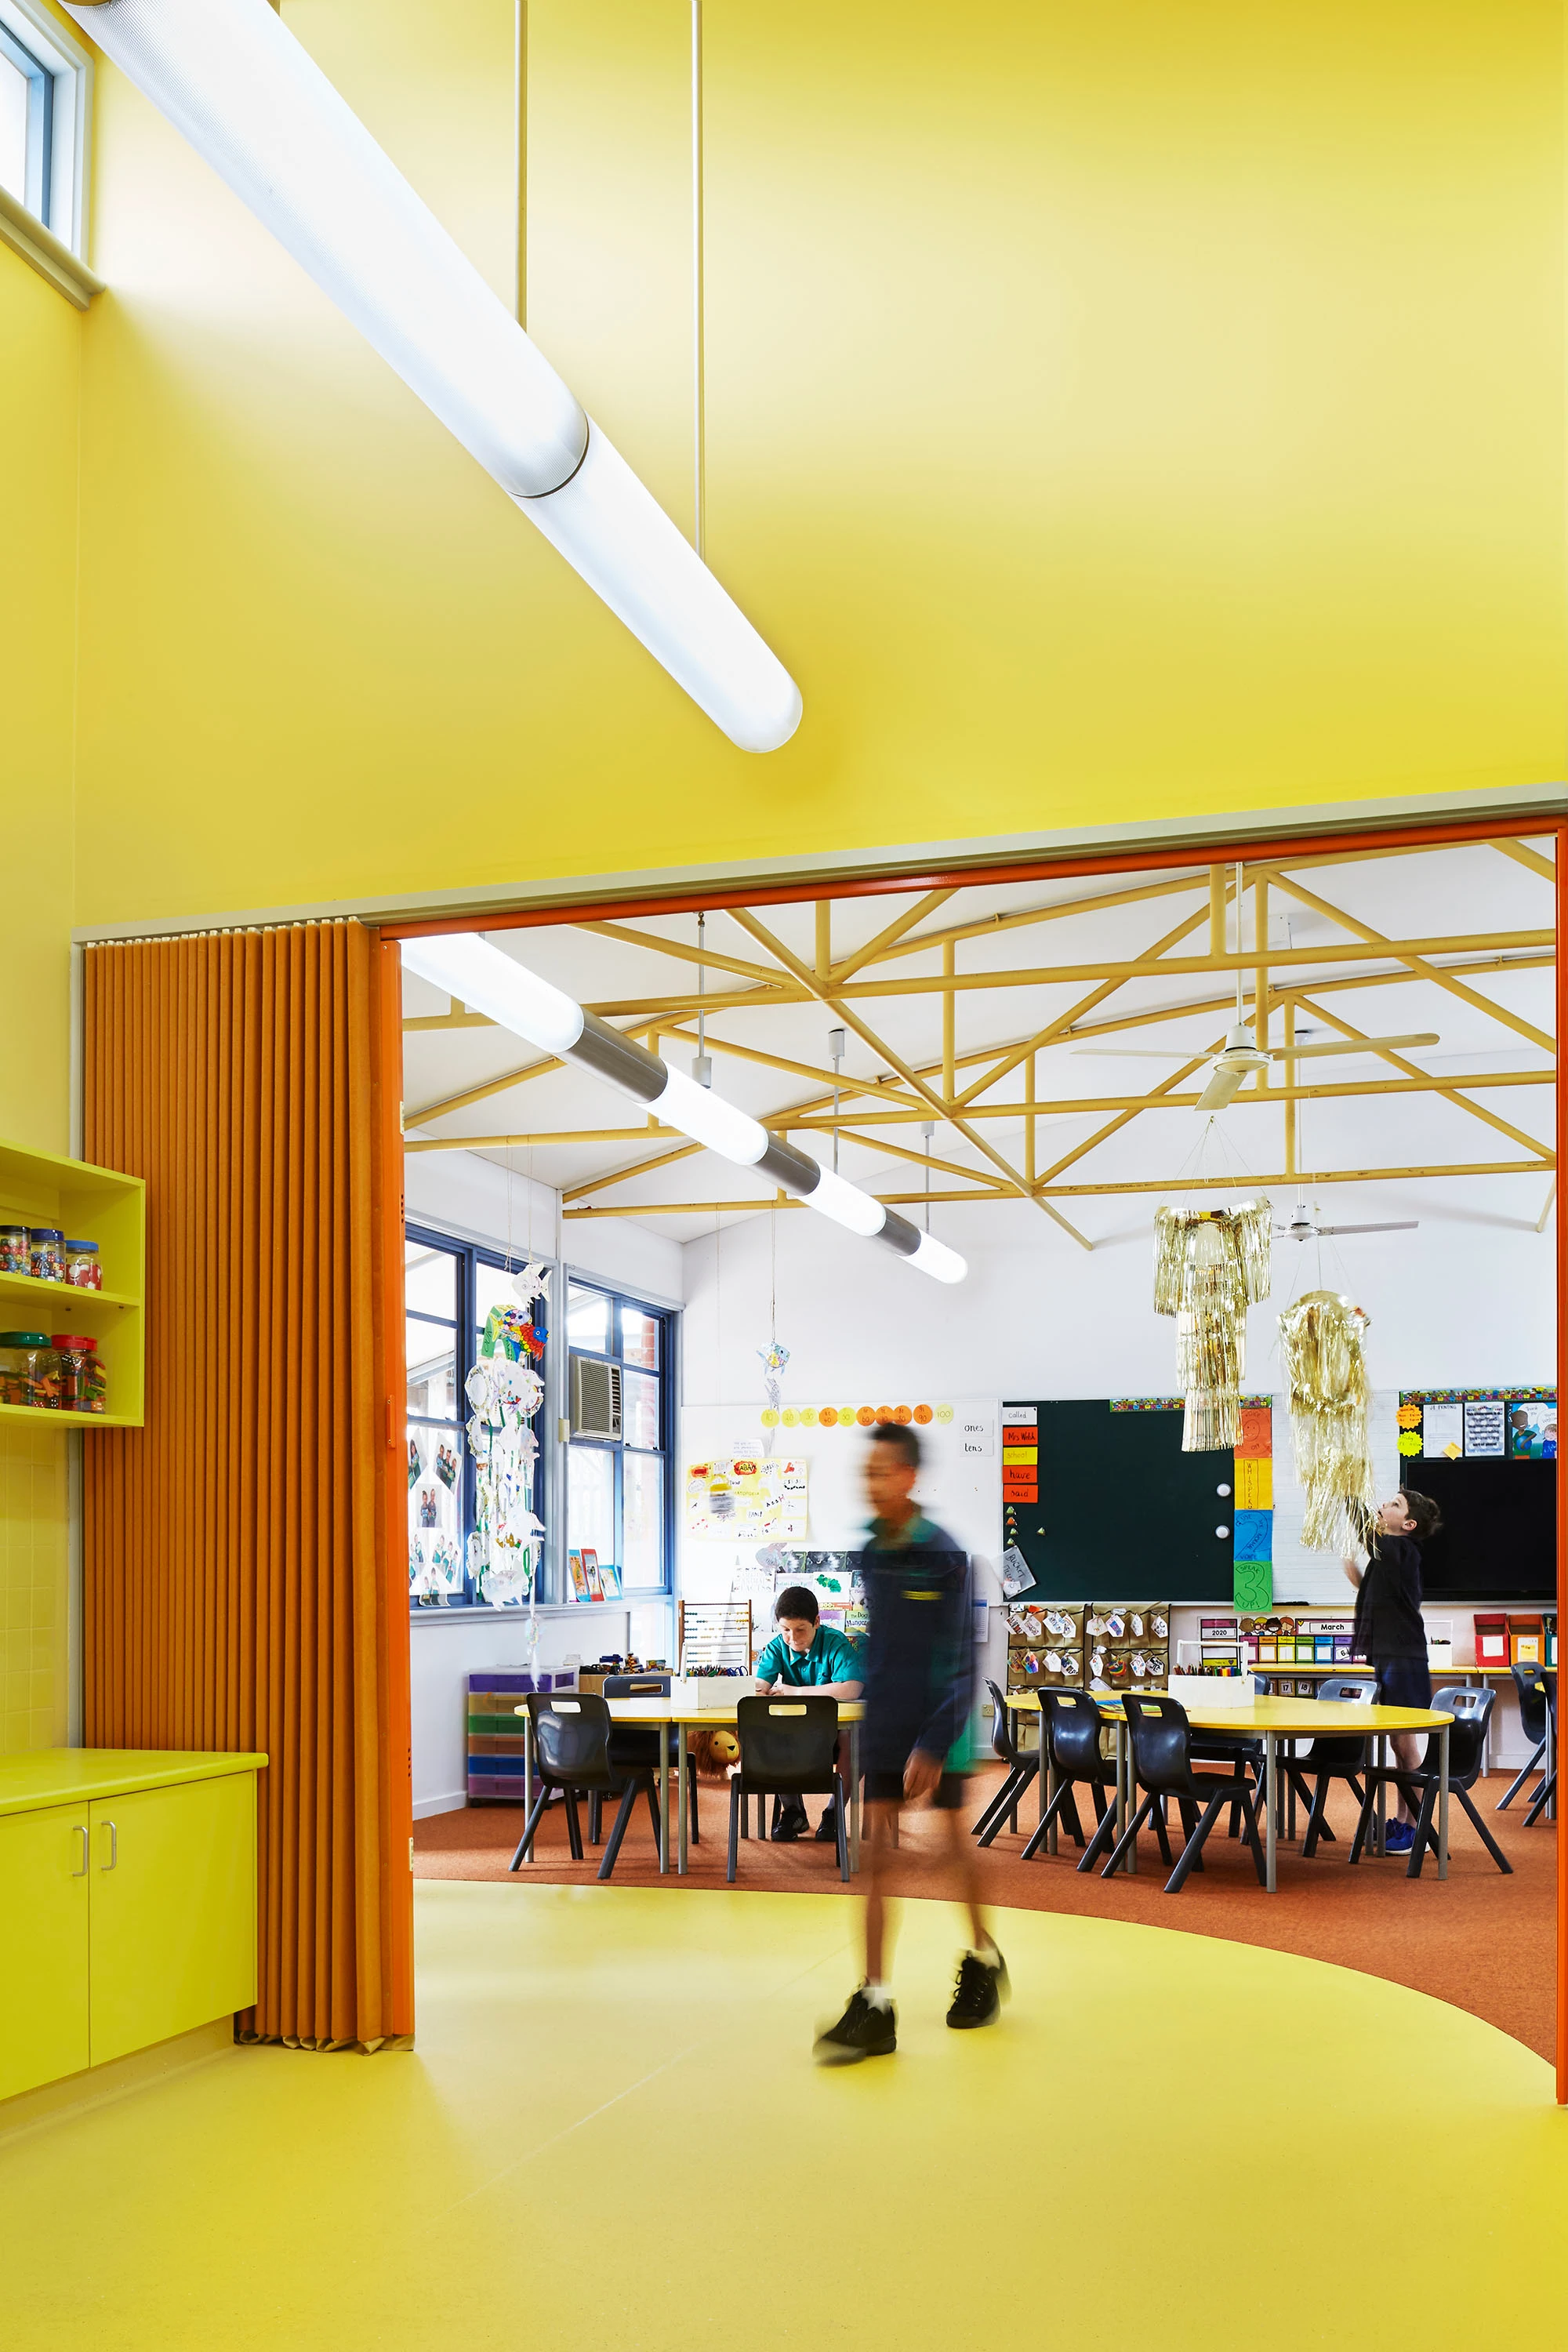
(1325, 1371)
(1210, 1266)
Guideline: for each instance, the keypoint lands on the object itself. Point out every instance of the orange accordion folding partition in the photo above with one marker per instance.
(244, 1584)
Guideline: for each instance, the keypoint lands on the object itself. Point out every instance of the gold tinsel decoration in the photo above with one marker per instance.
(1325, 1371)
(1210, 1266)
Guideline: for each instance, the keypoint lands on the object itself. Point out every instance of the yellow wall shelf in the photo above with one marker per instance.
(37, 1187)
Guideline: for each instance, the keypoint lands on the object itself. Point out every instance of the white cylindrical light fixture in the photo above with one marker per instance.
(248, 97)
(475, 972)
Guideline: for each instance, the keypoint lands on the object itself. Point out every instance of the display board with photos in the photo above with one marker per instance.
(1488, 1458)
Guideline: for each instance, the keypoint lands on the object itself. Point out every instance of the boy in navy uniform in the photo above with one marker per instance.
(918, 1680)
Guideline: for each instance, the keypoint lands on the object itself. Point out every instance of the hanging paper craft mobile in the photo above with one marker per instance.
(1210, 1266)
(773, 1360)
(504, 1396)
(1325, 1371)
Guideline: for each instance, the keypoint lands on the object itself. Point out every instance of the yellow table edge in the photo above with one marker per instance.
(36, 1777)
(1281, 1714)
(660, 1710)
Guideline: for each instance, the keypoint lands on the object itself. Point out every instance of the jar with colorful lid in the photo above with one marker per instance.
(29, 1371)
(46, 1254)
(83, 1271)
(83, 1382)
(13, 1249)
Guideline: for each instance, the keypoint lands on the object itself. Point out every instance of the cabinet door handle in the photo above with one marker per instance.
(113, 1846)
(80, 1828)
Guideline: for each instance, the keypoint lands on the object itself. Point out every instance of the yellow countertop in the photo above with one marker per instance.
(74, 1776)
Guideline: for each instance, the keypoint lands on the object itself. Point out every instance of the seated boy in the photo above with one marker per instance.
(805, 1655)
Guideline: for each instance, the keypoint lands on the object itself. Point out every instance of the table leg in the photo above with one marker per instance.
(1270, 1782)
(681, 1795)
(1443, 1802)
(528, 1774)
(663, 1798)
(854, 1800)
(1048, 1788)
(1289, 1796)
(1124, 1791)
(1551, 1759)
(1380, 1821)
(1043, 1794)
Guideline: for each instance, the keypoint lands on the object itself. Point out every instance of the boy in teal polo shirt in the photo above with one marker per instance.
(805, 1655)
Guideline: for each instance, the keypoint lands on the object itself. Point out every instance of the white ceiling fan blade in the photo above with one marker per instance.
(1405, 1225)
(1222, 1086)
(1351, 1045)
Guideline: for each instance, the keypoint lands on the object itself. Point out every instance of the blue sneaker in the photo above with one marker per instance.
(1399, 1839)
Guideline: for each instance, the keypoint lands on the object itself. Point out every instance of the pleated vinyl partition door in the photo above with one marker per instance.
(244, 1569)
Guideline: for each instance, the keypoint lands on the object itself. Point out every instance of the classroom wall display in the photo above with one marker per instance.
(1488, 1458)
(851, 1418)
(747, 1498)
(1098, 1496)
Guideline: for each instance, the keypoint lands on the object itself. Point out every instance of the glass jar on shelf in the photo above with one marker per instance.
(83, 1382)
(46, 1252)
(29, 1371)
(13, 1249)
(83, 1271)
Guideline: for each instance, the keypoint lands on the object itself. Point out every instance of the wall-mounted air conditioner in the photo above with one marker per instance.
(595, 1398)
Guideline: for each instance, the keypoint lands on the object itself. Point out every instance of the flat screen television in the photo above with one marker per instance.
(1499, 1538)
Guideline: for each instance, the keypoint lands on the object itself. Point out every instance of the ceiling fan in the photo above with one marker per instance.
(1305, 1228)
(1241, 1054)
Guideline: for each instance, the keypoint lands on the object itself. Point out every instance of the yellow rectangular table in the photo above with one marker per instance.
(655, 1712)
(1271, 1720)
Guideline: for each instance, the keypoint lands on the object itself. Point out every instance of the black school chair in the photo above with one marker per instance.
(637, 1744)
(1163, 1768)
(1536, 1708)
(572, 1733)
(1022, 1769)
(788, 1740)
(1467, 1742)
(1341, 1757)
(1071, 1724)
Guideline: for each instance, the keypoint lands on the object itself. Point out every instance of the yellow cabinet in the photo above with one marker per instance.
(173, 1910)
(44, 1903)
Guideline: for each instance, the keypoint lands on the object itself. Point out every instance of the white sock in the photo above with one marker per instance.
(988, 1952)
(877, 1994)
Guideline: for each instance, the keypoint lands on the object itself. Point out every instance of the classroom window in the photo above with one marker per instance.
(619, 1485)
(449, 1289)
(44, 88)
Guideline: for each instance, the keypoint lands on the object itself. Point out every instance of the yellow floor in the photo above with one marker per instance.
(611, 2128)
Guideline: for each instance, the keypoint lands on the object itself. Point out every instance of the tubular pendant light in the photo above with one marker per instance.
(480, 975)
(236, 83)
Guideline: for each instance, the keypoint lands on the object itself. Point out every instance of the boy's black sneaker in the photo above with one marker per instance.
(865, 2031)
(981, 1989)
(827, 1827)
(792, 1823)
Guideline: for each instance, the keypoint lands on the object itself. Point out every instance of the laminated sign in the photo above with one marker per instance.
(747, 1498)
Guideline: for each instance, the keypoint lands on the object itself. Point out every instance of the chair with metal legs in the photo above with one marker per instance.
(572, 1754)
(1071, 1723)
(1162, 1768)
(1537, 1712)
(1022, 1768)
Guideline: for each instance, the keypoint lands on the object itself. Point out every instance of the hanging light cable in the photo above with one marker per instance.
(235, 83)
(490, 981)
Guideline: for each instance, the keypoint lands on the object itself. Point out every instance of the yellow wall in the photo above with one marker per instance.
(40, 346)
(1113, 413)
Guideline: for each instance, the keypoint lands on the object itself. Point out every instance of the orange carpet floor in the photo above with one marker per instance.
(1482, 1941)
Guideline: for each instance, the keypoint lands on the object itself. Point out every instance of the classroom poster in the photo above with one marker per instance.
(1531, 1429)
(1486, 1428)
(747, 1498)
(1442, 1432)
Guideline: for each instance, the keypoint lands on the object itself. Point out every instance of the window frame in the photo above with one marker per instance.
(59, 202)
(470, 1255)
(667, 1320)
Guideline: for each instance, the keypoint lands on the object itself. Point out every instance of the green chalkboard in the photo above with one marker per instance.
(1123, 1514)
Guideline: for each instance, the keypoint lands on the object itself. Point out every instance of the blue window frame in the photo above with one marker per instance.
(449, 1288)
(620, 1491)
(26, 126)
